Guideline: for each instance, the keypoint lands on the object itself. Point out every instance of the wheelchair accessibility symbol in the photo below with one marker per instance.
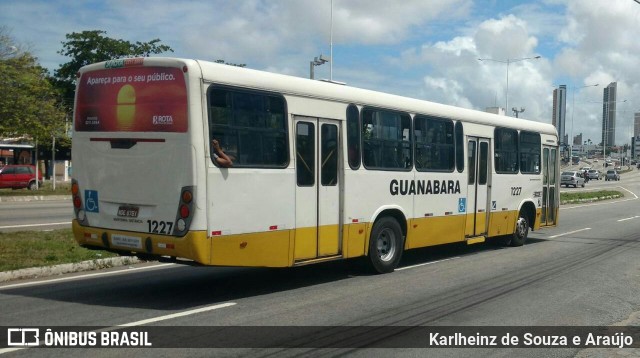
(91, 201)
(462, 205)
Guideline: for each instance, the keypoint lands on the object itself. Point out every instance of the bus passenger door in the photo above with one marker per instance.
(317, 151)
(549, 186)
(478, 187)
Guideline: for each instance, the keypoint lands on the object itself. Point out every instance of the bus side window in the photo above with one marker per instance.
(506, 150)
(386, 139)
(434, 144)
(530, 144)
(250, 125)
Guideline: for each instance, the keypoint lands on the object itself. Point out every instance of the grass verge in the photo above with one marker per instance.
(589, 196)
(27, 249)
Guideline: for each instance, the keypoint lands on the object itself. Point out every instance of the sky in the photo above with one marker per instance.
(425, 49)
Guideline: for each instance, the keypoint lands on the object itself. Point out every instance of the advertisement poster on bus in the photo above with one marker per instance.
(134, 99)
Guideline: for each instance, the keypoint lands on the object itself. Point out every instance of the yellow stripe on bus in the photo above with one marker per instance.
(284, 248)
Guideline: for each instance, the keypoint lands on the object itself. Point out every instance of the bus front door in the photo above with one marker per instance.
(478, 187)
(317, 162)
(549, 186)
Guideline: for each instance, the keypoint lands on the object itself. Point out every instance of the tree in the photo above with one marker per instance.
(29, 104)
(93, 46)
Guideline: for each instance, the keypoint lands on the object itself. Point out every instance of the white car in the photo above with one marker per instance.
(572, 178)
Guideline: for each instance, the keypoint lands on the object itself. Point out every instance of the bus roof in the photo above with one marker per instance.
(290, 85)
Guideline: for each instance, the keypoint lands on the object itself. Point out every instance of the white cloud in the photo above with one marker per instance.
(504, 38)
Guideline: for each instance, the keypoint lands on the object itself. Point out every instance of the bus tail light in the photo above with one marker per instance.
(78, 209)
(185, 211)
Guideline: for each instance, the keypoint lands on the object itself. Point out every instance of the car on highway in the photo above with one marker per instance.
(572, 178)
(18, 176)
(612, 174)
(593, 174)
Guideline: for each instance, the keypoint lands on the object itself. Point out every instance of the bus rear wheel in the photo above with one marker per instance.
(385, 245)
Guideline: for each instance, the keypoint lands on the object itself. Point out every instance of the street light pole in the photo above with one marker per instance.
(508, 62)
(317, 61)
(516, 111)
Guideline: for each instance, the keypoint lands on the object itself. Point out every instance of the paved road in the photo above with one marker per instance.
(585, 272)
(35, 215)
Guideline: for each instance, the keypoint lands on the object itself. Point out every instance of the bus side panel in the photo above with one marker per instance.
(262, 249)
(368, 191)
(436, 231)
(502, 223)
(251, 216)
(354, 240)
(437, 217)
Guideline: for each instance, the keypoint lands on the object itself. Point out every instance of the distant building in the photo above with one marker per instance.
(635, 147)
(559, 112)
(609, 114)
(17, 150)
(636, 125)
(496, 110)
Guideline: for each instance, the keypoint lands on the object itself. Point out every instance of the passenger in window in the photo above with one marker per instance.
(219, 156)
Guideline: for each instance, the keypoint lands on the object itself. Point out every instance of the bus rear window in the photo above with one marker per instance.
(134, 99)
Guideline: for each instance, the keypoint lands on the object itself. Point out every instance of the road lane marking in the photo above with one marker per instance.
(175, 315)
(34, 225)
(569, 233)
(631, 218)
(426, 263)
(128, 270)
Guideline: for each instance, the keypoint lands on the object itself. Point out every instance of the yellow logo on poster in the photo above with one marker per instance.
(126, 108)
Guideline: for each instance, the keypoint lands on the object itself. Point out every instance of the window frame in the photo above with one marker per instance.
(354, 139)
(458, 133)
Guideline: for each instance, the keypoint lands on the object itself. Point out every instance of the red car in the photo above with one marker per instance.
(19, 176)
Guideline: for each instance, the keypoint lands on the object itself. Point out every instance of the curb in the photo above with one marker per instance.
(47, 271)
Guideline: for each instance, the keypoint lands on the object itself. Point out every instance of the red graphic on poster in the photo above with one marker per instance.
(135, 99)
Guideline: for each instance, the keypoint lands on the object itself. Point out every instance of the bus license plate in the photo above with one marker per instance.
(128, 211)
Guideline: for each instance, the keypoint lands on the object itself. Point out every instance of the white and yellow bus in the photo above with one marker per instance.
(320, 171)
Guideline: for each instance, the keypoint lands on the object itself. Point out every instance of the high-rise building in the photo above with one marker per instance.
(560, 111)
(577, 140)
(609, 114)
(636, 124)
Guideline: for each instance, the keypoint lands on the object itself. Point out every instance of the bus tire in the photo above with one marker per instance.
(521, 232)
(385, 245)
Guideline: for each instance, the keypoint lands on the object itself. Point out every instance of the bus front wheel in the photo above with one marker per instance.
(385, 245)
(522, 231)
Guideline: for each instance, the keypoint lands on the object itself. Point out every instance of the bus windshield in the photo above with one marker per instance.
(132, 99)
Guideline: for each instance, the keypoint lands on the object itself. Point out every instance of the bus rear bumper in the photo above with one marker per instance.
(195, 245)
